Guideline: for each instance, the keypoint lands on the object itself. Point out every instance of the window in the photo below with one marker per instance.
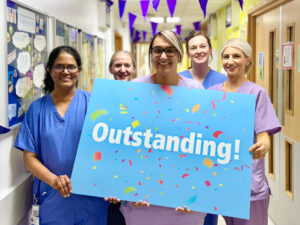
(289, 80)
(289, 168)
(272, 55)
(271, 159)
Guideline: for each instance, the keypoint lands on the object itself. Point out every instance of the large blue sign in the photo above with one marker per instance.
(170, 146)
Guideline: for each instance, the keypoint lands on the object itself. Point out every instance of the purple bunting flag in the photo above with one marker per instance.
(178, 29)
(155, 4)
(109, 3)
(144, 35)
(122, 4)
(203, 4)
(132, 31)
(171, 6)
(132, 18)
(154, 26)
(144, 7)
(197, 25)
(241, 4)
(137, 36)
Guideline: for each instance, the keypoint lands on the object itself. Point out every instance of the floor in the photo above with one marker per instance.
(222, 222)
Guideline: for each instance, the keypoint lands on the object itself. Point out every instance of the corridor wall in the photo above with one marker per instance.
(16, 182)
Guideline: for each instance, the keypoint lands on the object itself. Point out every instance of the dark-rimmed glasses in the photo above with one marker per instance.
(59, 68)
(170, 51)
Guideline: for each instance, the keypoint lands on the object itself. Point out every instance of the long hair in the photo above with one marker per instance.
(48, 81)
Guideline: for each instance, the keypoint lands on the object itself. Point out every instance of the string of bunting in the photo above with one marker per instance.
(155, 3)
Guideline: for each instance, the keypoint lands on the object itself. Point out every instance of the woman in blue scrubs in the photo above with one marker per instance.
(49, 137)
(199, 50)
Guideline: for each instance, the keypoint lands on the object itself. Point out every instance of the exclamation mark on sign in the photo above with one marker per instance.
(237, 150)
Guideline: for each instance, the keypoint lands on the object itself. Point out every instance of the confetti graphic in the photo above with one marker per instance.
(217, 133)
(135, 124)
(207, 162)
(154, 142)
(98, 113)
(168, 89)
(129, 190)
(185, 175)
(196, 108)
(191, 200)
(97, 156)
(129, 161)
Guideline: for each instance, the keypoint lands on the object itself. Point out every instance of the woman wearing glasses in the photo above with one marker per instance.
(165, 52)
(199, 49)
(49, 137)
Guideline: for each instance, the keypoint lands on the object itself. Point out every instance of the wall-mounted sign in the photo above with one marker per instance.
(288, 55)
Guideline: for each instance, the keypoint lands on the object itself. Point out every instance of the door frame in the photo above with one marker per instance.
(251, 29)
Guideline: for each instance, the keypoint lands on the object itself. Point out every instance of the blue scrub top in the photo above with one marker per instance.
(213, 77)
(55, 140)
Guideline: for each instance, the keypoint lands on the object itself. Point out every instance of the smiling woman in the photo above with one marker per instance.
(236, 58)
(199, 50)
(122, 65)
(165, 52)
(49, 137)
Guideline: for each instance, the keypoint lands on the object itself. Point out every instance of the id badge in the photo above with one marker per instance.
(34, 218)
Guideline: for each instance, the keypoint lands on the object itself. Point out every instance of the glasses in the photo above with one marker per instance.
(170, 51)
(59, 68)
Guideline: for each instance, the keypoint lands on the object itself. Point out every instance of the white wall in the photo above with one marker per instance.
(15, 185)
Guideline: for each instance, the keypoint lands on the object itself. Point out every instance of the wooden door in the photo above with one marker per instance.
(118, 42)
(272, 25)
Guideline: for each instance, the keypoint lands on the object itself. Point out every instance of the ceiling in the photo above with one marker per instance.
(189, 12)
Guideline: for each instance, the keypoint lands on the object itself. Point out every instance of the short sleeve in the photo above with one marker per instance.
(25, 139)
(265, 117)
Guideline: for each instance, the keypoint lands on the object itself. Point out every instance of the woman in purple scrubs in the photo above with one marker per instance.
(236, 59)
(49, 137)
(165, 52)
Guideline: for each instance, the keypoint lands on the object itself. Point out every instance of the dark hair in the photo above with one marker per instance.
(48, 82)
(194, 34)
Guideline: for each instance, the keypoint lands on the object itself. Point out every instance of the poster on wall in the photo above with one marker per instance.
(87, 51)
(261, 65)
(154, 142)
(142, 59)
(288, 55)
(100, 59)
(26, 56)
(65, 35)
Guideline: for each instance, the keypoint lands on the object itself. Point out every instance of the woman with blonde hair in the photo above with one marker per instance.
(165, 52)
(236, 59)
